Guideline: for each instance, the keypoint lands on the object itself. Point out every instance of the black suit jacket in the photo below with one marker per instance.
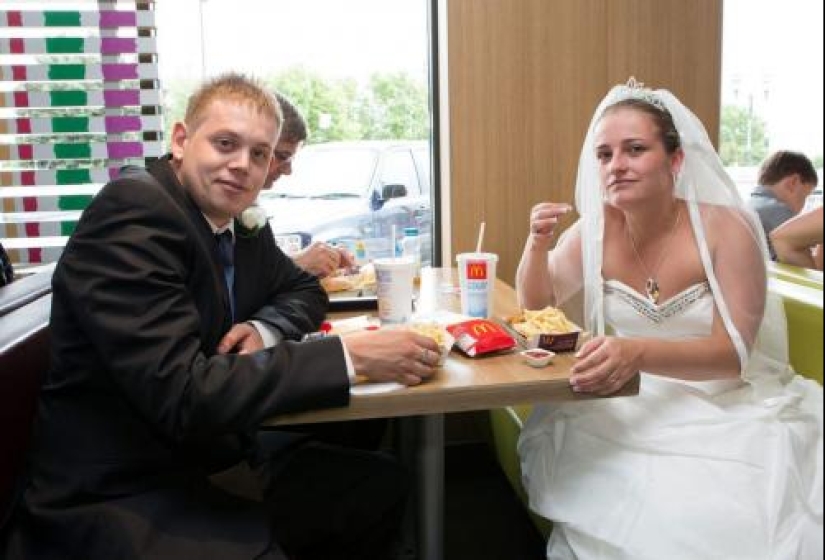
(138, 409)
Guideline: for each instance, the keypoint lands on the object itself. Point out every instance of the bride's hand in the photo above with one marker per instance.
(605, 364)
(543, 218)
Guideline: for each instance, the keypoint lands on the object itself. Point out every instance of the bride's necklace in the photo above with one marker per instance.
(651, 284)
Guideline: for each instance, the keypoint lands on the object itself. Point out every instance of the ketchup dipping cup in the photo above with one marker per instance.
(537, 357)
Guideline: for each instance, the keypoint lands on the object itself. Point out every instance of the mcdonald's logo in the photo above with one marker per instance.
(477, 270)
(484, 327)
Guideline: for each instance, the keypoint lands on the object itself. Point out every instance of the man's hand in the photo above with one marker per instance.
(393, 355)
(321, 259)
(242, 338)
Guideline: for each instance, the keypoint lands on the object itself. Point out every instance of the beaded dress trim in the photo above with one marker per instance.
(653, 312)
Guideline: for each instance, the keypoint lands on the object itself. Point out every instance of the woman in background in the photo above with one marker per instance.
(720, 454)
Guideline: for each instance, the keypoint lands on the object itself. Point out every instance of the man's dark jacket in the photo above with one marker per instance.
(138, 408)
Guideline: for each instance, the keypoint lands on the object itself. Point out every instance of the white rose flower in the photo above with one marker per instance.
(253, 219)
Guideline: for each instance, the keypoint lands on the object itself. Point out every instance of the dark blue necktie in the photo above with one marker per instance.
(226, 254)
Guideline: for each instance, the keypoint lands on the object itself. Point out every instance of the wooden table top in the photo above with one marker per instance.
(463, 383)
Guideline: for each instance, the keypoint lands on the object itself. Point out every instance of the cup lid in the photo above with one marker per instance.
(485, 256)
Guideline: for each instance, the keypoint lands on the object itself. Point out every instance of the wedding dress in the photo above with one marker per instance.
(685, 470)
(726, 469)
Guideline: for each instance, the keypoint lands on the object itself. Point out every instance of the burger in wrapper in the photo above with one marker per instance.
(343, 280)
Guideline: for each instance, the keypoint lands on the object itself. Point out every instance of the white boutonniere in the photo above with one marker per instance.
(250, 222)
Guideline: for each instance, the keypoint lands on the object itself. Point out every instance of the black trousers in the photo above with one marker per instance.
(332, 502)
(360, 434)
(295, 499)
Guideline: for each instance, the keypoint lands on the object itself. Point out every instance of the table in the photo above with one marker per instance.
(462, 384)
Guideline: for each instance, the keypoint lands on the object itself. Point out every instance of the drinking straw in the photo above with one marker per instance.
(480, 237)
(392, 242)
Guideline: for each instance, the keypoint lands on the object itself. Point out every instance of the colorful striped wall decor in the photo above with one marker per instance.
(104, 72)
(75, 18)
(88, 105)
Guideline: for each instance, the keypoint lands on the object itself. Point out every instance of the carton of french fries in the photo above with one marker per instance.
(439, 334)
(546, 328)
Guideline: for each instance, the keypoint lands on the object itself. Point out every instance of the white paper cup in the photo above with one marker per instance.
(394, 278)
(476, 278)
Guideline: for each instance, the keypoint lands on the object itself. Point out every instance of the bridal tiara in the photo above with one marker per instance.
(636, 90)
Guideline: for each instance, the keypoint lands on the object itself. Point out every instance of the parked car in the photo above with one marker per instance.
(352, 194)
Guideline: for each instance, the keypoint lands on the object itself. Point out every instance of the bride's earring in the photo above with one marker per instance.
(675, 175)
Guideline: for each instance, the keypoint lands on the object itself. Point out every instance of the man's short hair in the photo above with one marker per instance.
(783, 163)
(235, 87)
(294, 129)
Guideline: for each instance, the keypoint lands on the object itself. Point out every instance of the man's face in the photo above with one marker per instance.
(223, 160)
(800, 195)
(282, 158)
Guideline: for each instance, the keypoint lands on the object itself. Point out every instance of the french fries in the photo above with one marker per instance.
(542, 321)
(431, 330)
(439, 334)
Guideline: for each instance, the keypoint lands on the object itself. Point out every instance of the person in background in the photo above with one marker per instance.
(722, 440)
(785, 180)
(6, 269)
(172, 341)
(319, 258)
(799, 240)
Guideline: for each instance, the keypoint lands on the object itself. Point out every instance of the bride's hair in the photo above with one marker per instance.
(660, 115)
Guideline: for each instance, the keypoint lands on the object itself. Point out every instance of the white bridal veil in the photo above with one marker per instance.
(753, 317)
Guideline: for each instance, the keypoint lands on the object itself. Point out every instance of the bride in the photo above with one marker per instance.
(720, 454)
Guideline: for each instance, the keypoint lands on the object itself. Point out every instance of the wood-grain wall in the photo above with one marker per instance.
(522, 80)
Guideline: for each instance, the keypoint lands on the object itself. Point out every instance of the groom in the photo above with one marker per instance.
(167, 354)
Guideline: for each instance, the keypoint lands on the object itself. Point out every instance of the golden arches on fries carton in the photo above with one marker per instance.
(546, 328)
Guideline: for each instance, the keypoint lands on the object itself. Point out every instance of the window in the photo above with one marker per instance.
(772, 84)
(360, 73)
(399, 169)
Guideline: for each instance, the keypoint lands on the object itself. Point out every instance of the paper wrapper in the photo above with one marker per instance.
(344, 281)
(477, 337)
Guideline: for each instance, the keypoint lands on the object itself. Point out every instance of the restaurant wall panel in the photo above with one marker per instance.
(523, 78)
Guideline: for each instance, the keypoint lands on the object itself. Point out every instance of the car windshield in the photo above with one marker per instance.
(328, 173)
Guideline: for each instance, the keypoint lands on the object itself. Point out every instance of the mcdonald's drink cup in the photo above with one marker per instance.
(476, 278)
(394, 277)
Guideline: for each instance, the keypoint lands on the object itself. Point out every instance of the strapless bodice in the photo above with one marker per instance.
(688, 314)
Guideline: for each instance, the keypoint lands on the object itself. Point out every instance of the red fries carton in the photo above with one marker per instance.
(480, 336)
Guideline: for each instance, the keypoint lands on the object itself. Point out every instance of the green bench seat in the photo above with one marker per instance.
(803, 309)
(795, 274)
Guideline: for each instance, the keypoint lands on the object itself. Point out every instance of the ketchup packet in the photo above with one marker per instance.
(480, 336)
